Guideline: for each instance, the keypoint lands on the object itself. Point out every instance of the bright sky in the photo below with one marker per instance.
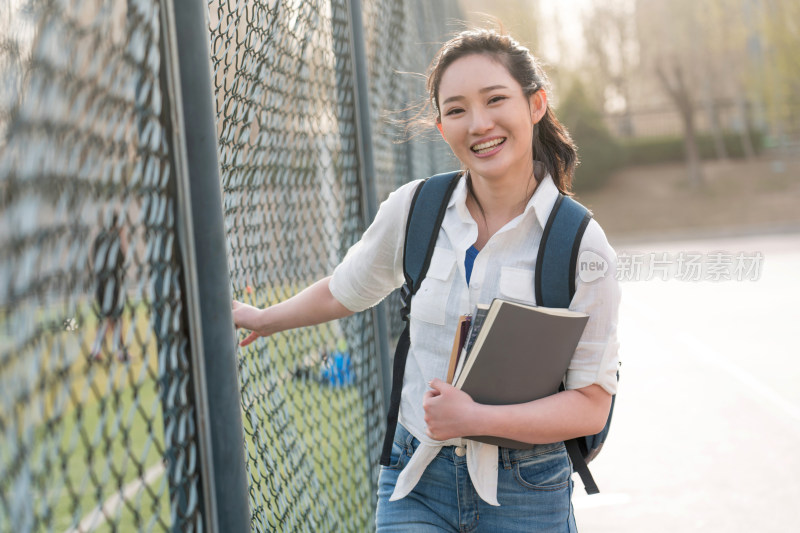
(562, 33)
(559, 23)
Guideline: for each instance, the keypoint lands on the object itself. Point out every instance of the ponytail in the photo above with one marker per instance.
(553, 147)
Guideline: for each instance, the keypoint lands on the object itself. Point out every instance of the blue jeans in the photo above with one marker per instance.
(534, 490)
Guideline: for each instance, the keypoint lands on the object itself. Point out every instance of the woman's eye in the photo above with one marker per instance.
(495, 99)
(454, 111)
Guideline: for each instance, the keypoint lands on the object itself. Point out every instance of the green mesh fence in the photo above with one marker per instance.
(293, 205)
(98, 426)
(402, 38)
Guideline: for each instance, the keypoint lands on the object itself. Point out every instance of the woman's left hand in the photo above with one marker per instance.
(448, 411)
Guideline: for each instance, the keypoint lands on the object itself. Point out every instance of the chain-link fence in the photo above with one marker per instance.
(402, 38)
(294, 203)
(96, 424)
(98, 416)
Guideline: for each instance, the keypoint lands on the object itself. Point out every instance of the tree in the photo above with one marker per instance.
(774, 39)
(726, 66)
(611, 54)
(672, 78)
(670, 51)
(598, 151)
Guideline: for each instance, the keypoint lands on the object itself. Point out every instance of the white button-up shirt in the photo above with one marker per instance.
(505, 267)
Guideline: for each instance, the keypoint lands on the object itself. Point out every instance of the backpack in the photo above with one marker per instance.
(554, 279)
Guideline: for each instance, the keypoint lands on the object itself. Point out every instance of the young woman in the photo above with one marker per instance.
(490, 104)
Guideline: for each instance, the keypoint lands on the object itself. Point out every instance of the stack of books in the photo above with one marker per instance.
(508, 353)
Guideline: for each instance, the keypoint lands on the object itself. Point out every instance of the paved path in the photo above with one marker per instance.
(707, 428)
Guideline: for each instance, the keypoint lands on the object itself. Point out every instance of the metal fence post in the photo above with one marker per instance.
(203, 246)
(366, 168)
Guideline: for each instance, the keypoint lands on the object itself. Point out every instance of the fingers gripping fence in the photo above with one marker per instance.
(101, 408)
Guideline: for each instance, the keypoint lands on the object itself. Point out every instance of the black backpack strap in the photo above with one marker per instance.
(425, 217)
(555, 286)
(558, 253)
(424, 220)
(579, 465)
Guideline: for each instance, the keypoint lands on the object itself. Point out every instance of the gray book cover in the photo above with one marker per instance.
(521, 354)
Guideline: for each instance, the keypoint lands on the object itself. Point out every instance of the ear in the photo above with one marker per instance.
(439, 127)
(538, 105)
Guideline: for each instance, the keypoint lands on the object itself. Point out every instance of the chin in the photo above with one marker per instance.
(489, 171)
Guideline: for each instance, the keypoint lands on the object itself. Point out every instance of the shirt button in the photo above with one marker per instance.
(476, 285)
(461, 451)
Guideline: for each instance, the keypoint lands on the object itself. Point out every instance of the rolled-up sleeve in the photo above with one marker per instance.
(373, 267)
(597, 293)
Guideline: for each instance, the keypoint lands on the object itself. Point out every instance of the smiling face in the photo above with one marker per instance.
(486, 118)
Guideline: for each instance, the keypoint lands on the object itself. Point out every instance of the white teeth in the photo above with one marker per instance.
(483, 147)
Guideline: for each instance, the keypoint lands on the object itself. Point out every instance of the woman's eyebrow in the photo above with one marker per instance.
(484, 90)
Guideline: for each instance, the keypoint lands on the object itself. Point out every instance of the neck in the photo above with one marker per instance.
(501, 199)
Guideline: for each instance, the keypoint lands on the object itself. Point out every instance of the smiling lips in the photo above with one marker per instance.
(488, 146)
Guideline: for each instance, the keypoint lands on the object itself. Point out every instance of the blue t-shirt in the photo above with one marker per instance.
(469, 260)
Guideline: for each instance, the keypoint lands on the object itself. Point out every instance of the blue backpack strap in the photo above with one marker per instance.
(558, 253)
(425, 217)
(555, 287)
(424, 220)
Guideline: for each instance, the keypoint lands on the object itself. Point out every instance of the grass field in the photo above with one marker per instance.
(305, 439)
(83, 445)
(79, 431)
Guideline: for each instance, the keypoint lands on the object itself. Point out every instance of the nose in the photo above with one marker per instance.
(481, 122)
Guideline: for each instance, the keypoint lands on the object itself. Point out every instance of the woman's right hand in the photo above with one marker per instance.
(314, 305)
(250, 318)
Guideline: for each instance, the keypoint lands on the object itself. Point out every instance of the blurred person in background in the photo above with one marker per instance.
(107, 261)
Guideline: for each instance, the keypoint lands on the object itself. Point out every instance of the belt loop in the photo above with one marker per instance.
(506, 458)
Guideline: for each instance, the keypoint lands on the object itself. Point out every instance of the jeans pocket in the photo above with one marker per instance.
(398, 457)
(548, 471)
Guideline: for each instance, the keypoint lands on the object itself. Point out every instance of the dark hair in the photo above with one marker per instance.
(552, 144)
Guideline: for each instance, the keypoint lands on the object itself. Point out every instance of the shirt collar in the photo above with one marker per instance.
(460, 192)
(541, 202)
(459, 199)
